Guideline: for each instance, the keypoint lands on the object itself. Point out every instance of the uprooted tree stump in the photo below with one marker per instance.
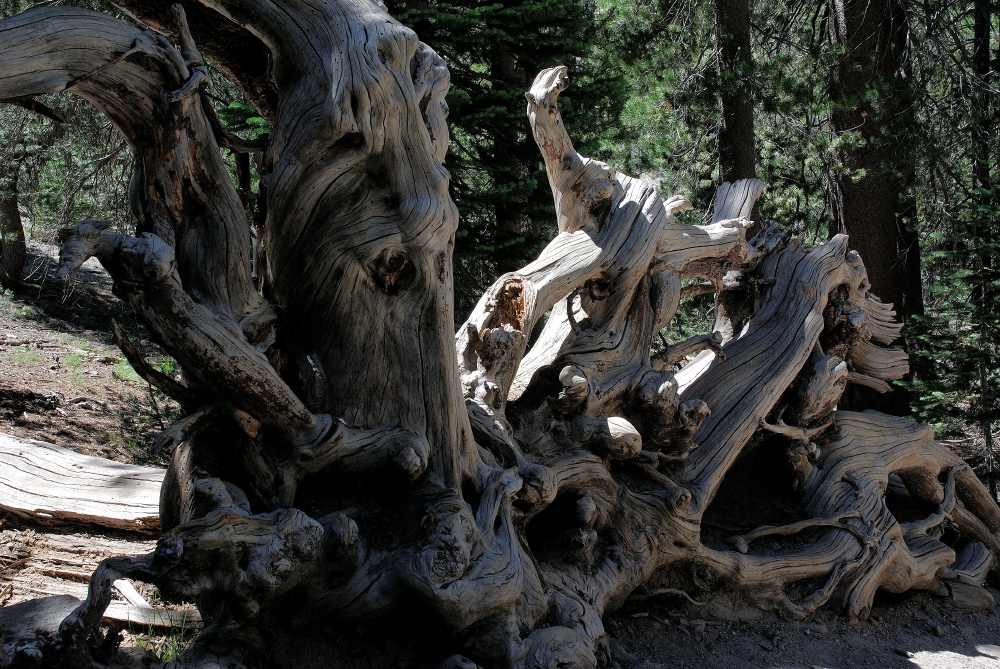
(345, 456)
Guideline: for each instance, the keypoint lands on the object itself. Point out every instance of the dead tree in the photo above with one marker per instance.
(345, 456)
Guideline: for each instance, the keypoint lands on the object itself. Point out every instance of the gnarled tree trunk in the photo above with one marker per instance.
(345, 457)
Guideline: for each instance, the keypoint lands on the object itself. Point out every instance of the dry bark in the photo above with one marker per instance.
(13, 249)
(345, 458)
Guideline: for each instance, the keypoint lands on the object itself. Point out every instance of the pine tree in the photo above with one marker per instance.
(957, 384)
(494, 50)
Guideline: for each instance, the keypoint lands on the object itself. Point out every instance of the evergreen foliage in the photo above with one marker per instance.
(957, 382)
(58, 164)
(242, 119)
(494, 50)
(669, 130)
(957, 360)
(668, 126)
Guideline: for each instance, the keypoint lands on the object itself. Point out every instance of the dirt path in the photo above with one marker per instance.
(62, 380)
(916, 631)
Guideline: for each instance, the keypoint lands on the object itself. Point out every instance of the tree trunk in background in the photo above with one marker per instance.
(984, 294)
(508, 165)
(982, 76)
(737, 140)
(875, 163)
(737, 144)
(12, 242)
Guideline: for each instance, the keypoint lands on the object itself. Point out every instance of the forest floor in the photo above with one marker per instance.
(62, 380)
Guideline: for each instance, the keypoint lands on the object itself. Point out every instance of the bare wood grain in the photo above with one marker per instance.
(54, 486)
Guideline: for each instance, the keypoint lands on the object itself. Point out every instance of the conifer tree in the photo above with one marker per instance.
(493, 51)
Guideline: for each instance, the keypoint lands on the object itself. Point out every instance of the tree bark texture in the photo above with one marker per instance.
(344, 456)
(872, 116)
(737, 140)
(13, 249)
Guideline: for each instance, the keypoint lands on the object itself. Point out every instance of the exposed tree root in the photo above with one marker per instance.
(345, 458)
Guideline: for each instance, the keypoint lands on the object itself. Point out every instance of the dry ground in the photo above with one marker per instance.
(62, 380)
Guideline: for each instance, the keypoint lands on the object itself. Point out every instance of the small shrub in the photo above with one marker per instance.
(165, 647)
(124, 371)
(73, 362)
(25, 313)
(6, 302)
(72, 341)
(9, 307)
(166, 366)
(25, 356)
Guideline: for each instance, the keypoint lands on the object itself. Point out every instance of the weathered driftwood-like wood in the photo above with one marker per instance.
(346, 456)
(35, 564)
(45, 563)
(142, 619)
(53, 486)
(764, 360)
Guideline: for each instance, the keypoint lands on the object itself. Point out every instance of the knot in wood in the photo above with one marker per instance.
(392, 271)
(451, 535)
(538, 486)
(509, 306)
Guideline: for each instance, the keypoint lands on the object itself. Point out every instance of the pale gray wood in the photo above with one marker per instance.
(131, 595)
(141, 620)
(736, 200)
(50, 485)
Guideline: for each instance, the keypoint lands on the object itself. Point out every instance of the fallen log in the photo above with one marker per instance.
(141, 619)
(51, 486)
(34, 564)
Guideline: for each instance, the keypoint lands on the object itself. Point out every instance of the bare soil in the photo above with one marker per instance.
(917, 630)
(62, 380)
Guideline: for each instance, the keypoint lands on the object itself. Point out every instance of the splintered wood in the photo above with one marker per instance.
(34, 564)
